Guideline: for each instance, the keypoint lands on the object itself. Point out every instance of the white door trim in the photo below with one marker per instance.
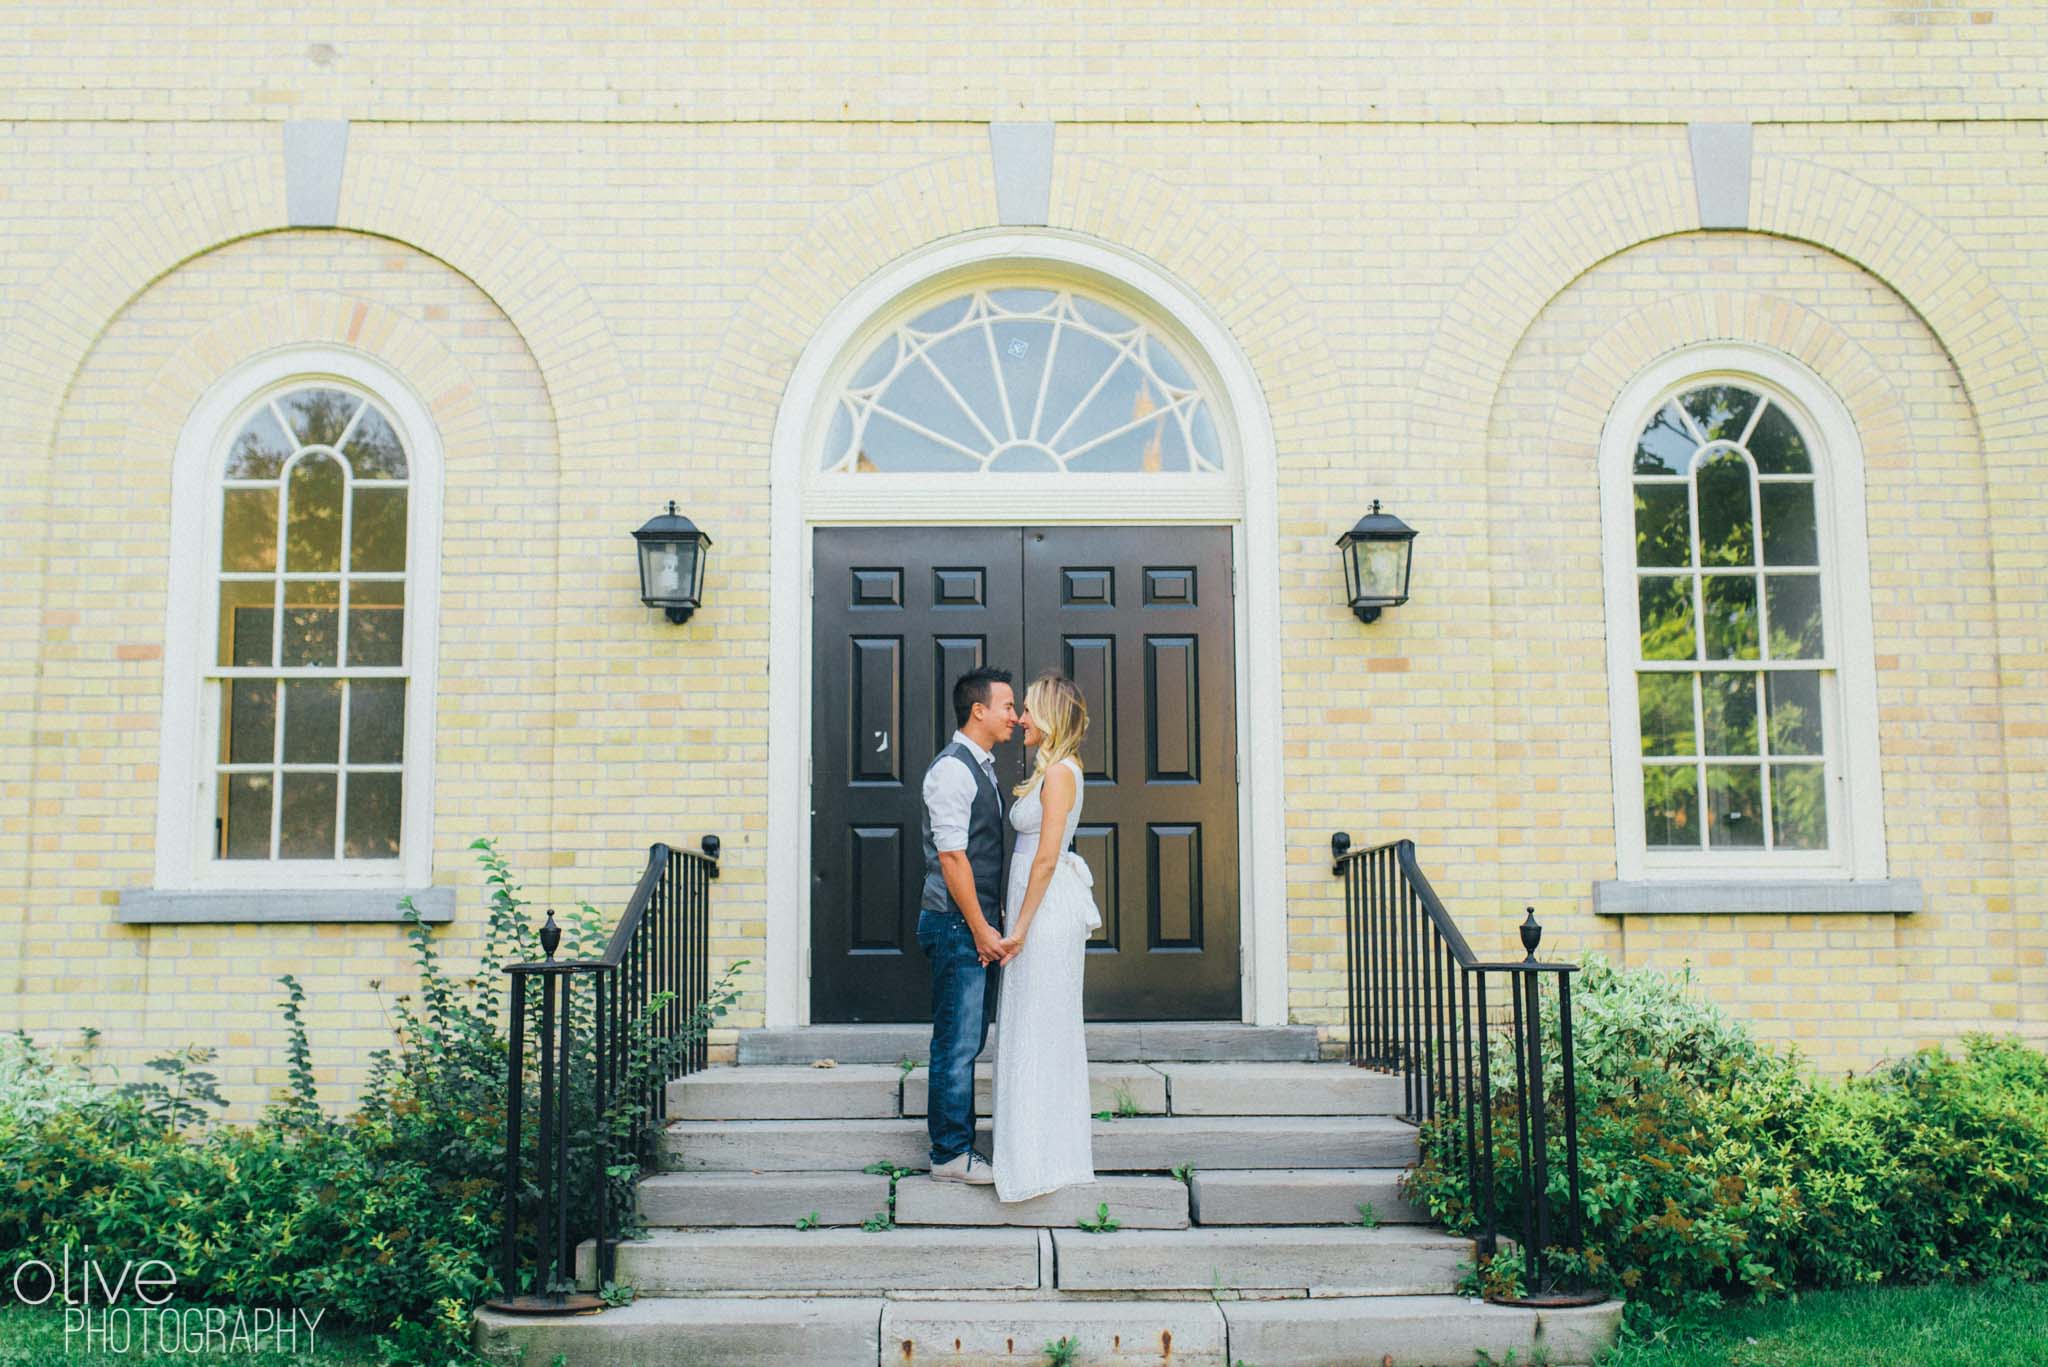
(799, 500)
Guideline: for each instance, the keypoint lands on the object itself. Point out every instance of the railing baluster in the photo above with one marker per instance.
(660, 946)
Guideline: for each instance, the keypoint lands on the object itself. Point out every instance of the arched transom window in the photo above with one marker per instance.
(1022, 380)
(1734, 675)
(310, 654)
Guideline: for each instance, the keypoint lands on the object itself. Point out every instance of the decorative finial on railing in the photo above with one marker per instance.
(1340, 845)
(550, 936)
(710, 844)
(1532, 935)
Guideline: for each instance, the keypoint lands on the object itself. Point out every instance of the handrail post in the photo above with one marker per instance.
(516, 1097)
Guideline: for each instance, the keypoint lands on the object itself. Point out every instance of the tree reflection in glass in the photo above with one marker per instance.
(326, 465)
(1724, 490)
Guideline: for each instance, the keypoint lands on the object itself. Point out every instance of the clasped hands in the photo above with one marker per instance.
(991, 947)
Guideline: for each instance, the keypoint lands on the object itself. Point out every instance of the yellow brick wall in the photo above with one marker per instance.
(599, 243)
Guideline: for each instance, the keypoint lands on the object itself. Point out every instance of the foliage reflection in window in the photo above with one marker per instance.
(310, 665)
(1732, 671)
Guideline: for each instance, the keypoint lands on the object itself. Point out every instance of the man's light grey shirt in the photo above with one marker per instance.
(949, 795)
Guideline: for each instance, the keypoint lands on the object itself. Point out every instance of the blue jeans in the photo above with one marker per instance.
(959, 1029)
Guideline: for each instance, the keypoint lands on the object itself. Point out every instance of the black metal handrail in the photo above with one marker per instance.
(604, 1054)
(1417, 1003)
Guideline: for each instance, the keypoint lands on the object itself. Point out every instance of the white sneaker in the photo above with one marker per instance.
(969, 1167)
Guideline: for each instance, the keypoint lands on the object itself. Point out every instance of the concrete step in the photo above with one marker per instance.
(1124, 1333)
(1146, 1143)
(778, 1332)
(793, 1145)
(1108, 1041)
(1108, 1085)
(767, 1198)
(700, 1261)
(1391, 1261)
(1159, 1143)
(1134, 1202)
(1300, 1196)
(1414, 1331)
(1280, 1089)
(788, 1092)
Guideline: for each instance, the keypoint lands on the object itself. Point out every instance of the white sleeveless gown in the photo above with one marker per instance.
(1043, 1139)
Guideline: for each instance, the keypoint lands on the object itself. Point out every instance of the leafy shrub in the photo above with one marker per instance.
(391, 1218)
(1715, 1169)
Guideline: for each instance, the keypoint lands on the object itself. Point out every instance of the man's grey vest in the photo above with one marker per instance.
(984, 843)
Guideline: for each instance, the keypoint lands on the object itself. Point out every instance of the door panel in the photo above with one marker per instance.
(1143, 620)
(898, 615)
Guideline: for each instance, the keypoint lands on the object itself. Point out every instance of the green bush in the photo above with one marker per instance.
(391, 1218)
(1714, 1169)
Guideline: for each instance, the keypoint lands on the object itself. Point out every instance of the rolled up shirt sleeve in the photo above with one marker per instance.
(949, 801)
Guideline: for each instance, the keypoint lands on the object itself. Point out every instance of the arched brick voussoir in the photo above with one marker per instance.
(1202, 246)
(59, 320)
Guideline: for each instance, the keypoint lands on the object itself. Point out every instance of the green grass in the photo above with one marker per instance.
(1920, 1326)
(31, 1336)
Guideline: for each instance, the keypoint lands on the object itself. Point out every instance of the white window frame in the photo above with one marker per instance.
(191, 716)
(1849, 709)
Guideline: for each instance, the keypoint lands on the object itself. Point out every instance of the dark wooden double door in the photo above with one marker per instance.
(1142, 620)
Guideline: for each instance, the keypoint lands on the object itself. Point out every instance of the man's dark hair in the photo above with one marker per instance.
(973, 687)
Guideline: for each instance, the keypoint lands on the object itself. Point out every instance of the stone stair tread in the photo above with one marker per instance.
(1299, 1196)
(1415, 1331)
(1143, 1083)
(762, 1332)
(1392, 1260)
(969, 1333)
(1135, 1202)
(1128, 1144)
(694, 1261)
(788, 1091)
(765, 1199)
(794, 1145)
(1142, 1041)
(1280, 1088)
(788, 1331)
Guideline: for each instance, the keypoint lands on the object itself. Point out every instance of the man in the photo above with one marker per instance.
(959, 919)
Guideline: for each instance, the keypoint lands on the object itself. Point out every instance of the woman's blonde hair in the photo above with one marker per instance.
(1056, 705)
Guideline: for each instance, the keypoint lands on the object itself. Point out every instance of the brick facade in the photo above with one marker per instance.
(597, 248)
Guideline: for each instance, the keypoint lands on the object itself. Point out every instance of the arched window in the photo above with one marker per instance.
(311, 640)
(1018, 381)
(1738, 624)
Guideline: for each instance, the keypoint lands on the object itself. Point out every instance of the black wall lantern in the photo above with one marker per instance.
(1378, 554)
(672, 556)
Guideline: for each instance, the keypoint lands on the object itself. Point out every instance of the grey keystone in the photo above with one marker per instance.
(787, 1092)
(974, 1333)
(760, 1332)
(692, 1261)
(1300, 1196)
(1134, 1202)
(1280, 1089)
(1384, 1262)
(766, 1198)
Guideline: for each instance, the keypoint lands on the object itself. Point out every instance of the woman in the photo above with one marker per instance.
(1042, 1139)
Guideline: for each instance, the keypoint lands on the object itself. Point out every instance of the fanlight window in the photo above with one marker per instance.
(310, 662)
(1733, 670)
(1022, 381)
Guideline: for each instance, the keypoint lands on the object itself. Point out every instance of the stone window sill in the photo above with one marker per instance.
(151, 907)
(1770, 897)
